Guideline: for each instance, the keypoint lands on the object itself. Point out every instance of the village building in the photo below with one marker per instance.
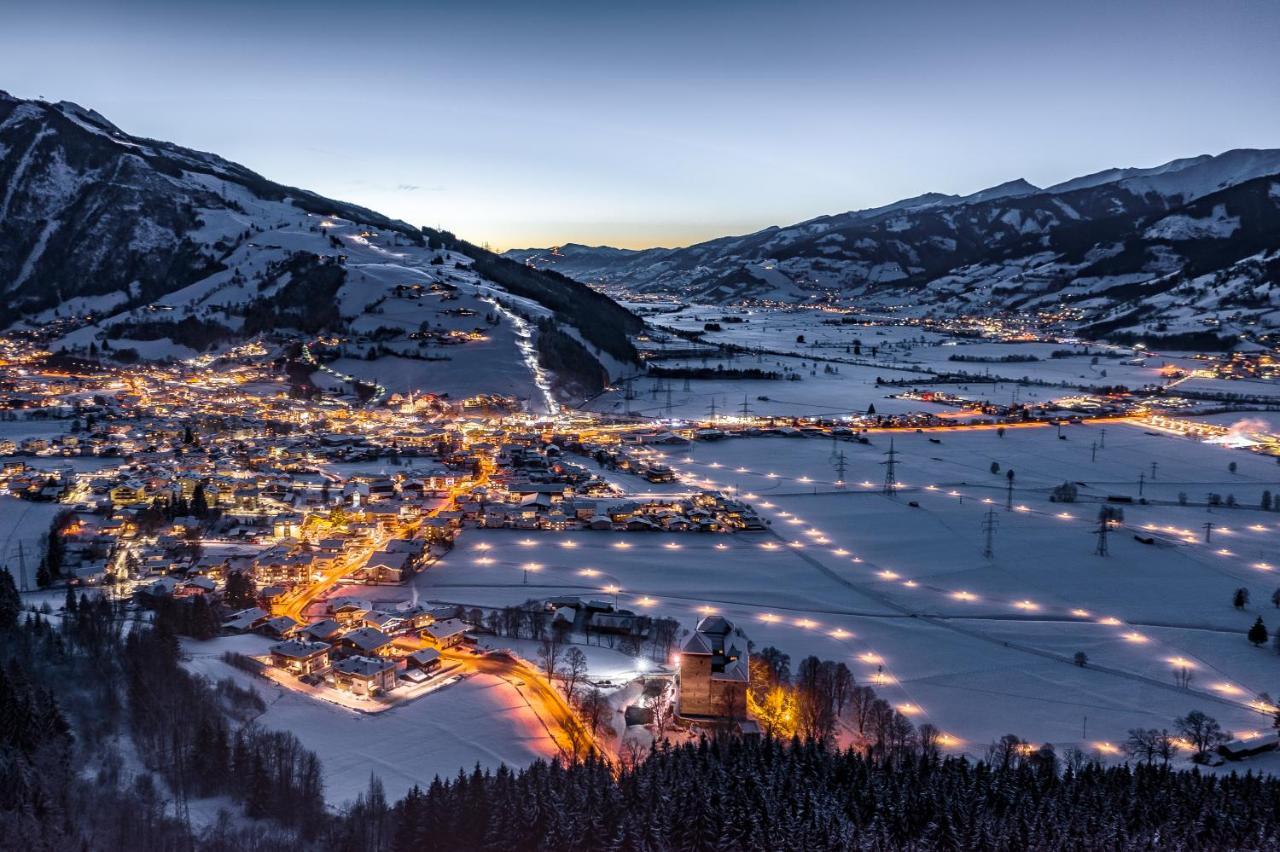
(366, 641)
(300, 657)
(326, 630)
(714, 673)
(446, 633)
(367, 676)
(245, 620)
(427, 660)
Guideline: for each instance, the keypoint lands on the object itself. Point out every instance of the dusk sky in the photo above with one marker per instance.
(660, 123)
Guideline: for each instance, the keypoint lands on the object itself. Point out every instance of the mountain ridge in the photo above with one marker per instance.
(113, 242)
(1073, 246)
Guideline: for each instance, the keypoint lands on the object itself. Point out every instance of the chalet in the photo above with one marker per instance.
(387, 622)
(271, 595)
(366, 640)
(446, 633)
(617, 623)
(300, 657)
(428, 660)
(1242, 748)
(245, 620)
(286, 525)
(327, 630)
(714, 673)
(162, 588)
(129, 494)
(381, 488)
(366, 676)
(349, 611)
(281, 627)
(388, 567)
(197, 585)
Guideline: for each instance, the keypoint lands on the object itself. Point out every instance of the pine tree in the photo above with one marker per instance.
(1258, 633)
(10, 601)
(199, 502)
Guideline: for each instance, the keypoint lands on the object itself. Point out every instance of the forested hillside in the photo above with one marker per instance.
(106, 742)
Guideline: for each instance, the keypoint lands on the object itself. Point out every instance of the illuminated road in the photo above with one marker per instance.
(296, 602)
(559, 719)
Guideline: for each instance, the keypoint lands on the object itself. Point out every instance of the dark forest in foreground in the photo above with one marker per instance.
(77, 693)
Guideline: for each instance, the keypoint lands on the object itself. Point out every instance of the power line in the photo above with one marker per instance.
(989, 524)
(891, 470)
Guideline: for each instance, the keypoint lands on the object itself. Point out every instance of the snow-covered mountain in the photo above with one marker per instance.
(1202, 234)
(116, 242)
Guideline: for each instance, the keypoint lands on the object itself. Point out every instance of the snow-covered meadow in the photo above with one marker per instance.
(481, 720)
(978, 646)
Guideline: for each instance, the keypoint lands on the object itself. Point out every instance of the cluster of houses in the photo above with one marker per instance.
(536, 508)
(354, 649)
(536, 489)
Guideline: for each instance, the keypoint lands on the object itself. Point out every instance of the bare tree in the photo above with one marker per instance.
(594, 708)
(1141, 744)
(928, 736)
(1201, 730)
(664, 711)
(1006, 752)
(1166, 746)
(842, 684)
(861, 700)
(815, 685)
(631, 752)
(549, 654)
(573, 669)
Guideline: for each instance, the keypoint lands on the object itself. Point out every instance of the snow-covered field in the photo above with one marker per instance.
(828, 368)
(481, 719)
(22, 527)
(980, 647)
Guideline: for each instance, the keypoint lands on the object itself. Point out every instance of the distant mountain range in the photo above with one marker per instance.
(1187, 249)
